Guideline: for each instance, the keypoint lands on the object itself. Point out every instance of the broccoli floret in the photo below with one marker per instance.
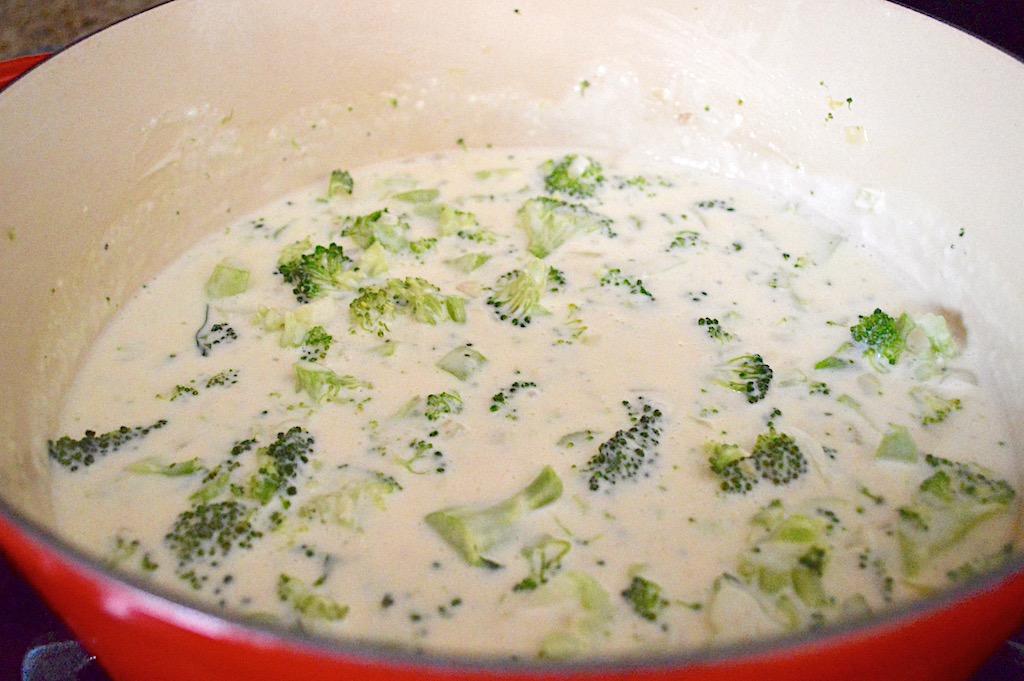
(74, 454)
(616, 278)
(440, 404)
(685, 239)
(747, 374)
(575, 175)
(316, 344)
(734, 467)
(307, 602)
(502, 400)
(281, 462)
(345, 506)
(882, 338)
(644, 596)
(946, 507)
(932, 407)
(778, 458)
(549, 223)
(324, 385)
(630, 451)
(413, 297)
(315, 274)
(515, 296)
(341, 183)
(377, 227)
(205, 533)
(207, 338)
(474, 530)
(714, 329)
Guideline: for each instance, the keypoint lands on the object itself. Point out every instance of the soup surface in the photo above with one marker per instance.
(536, 404)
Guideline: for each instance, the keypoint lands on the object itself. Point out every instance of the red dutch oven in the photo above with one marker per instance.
(117, 154)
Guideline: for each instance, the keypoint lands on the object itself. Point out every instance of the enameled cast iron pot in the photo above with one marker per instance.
(120, 152)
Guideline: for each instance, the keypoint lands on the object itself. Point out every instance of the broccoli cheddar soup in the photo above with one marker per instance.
(537, 405)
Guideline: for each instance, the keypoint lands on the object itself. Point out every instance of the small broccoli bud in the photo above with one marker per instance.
(747, 374)
(377, 227)
(645, 598)
(545, 558)
(442, 404)
(74, 454)
(575, 175)
(315, 274)
(714, 329)
(630, 451)
(733, 466)
(316, 344)
(615, 278)
(932, 407)
(882, 337)
(474, 530)
(502, 400)
(340, 184)
(281, 462)
(307, 602)
(778, 458)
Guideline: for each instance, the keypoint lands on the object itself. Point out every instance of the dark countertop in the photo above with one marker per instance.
(37, 26)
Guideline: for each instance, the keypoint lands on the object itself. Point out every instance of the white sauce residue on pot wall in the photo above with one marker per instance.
(593, 380)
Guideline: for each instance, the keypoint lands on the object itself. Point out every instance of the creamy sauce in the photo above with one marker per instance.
(343, 548)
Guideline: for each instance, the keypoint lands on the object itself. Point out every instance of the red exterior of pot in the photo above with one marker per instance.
(141, 637)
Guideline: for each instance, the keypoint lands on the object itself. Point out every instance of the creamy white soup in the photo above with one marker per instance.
(537, 404)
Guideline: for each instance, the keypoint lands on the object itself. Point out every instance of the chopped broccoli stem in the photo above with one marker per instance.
(629, 452)
(897, 445)
(549, 223)
(377, 227)
(322, 384)
(227, 279)
(474, 530)
(462, 362)
(74, 454)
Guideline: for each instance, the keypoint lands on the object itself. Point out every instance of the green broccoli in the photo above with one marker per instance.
(462, 362)
(644, 596)
(714, 329)
(475, 530)
(344, 507)
(413, 297)
(315, 274)
(932, 407)
(585, 612)
(280, 464)
(545, 558)
(227, 279)
(614, 277)
(734, 467)
(307, 602)
(747, 374)
(207, 532)
(516, 295)
(630, 451)
(216, 334)
(777, 458)
(501, 401)
(377, 227)
(322, 384)
(316, 344)
(549, 223)
(341, 182)
(442, 404)
(574, 175)
(81, 453)
(882, 338)
(946, 507)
